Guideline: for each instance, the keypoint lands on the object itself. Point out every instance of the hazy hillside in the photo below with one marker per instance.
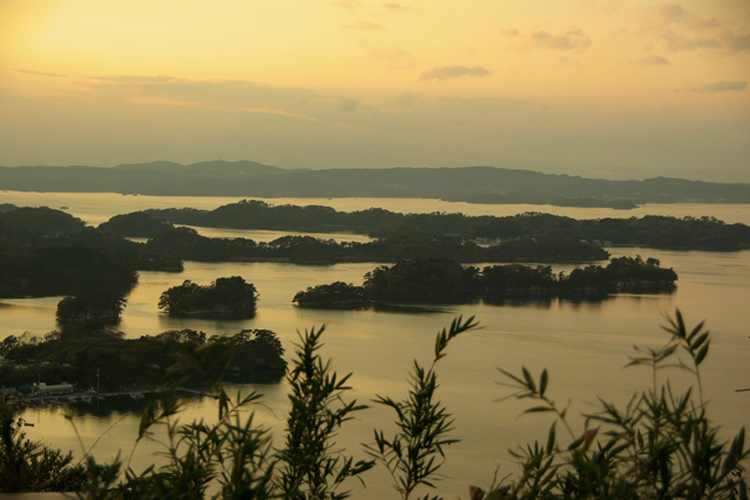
(473, 184)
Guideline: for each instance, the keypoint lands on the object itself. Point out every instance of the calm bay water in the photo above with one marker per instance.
(583, 346)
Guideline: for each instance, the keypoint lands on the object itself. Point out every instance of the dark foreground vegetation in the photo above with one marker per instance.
(661, 445)
(652, 231)
(87, 354)
(447, 282)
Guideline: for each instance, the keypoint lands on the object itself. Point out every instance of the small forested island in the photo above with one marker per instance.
(224, 298)
(88, 354)
(98, 307)
(442, 281)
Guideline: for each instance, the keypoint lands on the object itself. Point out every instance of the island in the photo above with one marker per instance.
(224, 298)
(185, 243)
(686, 233)
(442, 281)
(97, 307)
(88, 356)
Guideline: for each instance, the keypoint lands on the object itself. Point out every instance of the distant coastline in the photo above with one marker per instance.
(480, 184)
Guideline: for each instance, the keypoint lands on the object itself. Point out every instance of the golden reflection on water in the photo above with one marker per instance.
(583, 345)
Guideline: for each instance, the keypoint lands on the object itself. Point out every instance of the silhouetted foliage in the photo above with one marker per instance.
(445, 281)
(225, 297)
(661, 445)
(40, 258)
(311, 466)
(41, 220)
(704, 233)
(27, 466)
(186, 243)
(78, 352)
(427, 280)
(95, 307)
(136, 224)
(414, 454)
(338, 294)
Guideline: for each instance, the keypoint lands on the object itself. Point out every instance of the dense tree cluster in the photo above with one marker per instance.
(225, 297)
(433, 280)
(136, 225)
(186, 243)
(41, 220)
(47, 252)
(338, 294)
(437, 280)
(78, 353)
(97, 307)
(703, 233)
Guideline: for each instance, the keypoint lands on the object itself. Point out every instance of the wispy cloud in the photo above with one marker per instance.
(347, 5)
(396, 7)
(406, 100)
(229, 95)
(134, 79)
(348, 105)
(162, 101)
(41, 73)
(680, 30)
(716, 87)
(393, 57)
(280, 112)
(364, 26)
(652, 61)
(454, 72)
(571, 39)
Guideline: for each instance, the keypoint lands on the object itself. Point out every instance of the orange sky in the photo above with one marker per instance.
(598, 87)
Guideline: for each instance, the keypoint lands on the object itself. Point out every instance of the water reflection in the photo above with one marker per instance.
(582, 344)
(105, 408)
(407, 308)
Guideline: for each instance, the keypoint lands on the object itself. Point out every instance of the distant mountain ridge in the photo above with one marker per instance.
(478, 184)
(203, 167)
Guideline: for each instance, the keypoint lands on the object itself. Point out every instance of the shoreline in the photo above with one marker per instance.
(88, 397)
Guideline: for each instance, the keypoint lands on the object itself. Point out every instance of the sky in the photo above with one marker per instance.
(602, 88)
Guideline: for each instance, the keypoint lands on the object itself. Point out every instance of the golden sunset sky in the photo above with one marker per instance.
(615, 89)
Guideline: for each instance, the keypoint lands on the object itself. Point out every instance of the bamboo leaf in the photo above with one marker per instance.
(551, 438)
(702, 353)
(529, 379)
(543, 382)
(539, 409)
(695, 330)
